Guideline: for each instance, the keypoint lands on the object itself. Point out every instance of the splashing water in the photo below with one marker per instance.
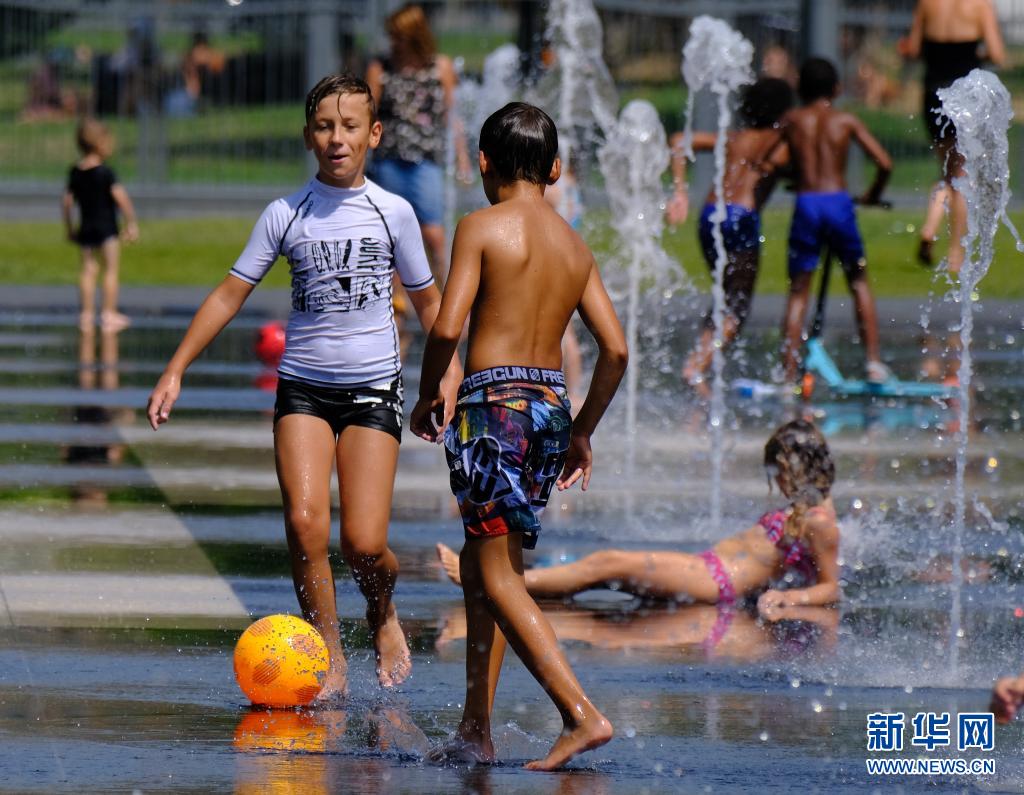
(718, 58)
(633, 158)
(577, 91)
(499, 85)
(978, 106)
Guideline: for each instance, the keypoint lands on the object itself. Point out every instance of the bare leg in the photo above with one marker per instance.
(528, 632)
(434, 240)
(699, 361)
(660, 575)
(304, 449)
(110, 318)
(367, 460)
(87, 287)
(793, 324)
(865, 312)
(930, 229)
(484, 654)
(953, 166)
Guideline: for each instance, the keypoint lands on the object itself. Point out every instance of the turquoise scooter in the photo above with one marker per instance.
(818, 364)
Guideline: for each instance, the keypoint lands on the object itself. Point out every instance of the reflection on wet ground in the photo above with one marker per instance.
(131, 560)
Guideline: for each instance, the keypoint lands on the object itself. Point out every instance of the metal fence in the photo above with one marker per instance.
(204, 96)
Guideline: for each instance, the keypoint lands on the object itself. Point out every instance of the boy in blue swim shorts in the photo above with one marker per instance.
(519, 272)
(818, 137)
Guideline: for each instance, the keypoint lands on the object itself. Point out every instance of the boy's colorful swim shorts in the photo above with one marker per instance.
(506, 447)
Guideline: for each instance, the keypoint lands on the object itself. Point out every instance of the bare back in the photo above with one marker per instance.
(819, 139)
(533, 271)
(954, 20)
(743, 182)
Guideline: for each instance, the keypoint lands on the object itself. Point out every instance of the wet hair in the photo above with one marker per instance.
(339, 84)
(798, 452)
(93, 136)
(818, 78)
(409, 27)
(521, 142)
(765, 101)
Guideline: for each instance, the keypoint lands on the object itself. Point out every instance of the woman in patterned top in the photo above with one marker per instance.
(415, 91)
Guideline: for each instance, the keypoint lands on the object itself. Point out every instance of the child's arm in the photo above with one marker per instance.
(881, 159)
(216, 311)
(598, 314)
(823, 535)
(459, 294)
(910, 47)
(678, 206)
(67, 202)
(427, 303)
(124, 204)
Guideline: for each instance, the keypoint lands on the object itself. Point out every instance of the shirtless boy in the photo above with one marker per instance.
(519, 272)
(819, 138)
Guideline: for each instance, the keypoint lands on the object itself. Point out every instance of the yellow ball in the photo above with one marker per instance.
(281, 661)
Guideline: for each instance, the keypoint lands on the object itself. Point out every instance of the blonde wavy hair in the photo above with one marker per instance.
(410, 31)
(798, 453)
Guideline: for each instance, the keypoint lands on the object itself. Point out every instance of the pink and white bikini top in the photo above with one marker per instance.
(796, 555)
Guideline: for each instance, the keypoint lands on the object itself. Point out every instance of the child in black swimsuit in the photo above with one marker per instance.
(93, 186)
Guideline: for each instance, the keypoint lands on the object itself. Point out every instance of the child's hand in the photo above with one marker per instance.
(162, 399)
(1007, 696)
(428, 418)
(578, 463)
(769, 602)
(678, 208)
(130, 233)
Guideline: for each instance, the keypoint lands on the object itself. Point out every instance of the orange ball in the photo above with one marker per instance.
(281, 661)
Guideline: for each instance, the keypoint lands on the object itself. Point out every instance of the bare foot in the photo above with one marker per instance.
(393, 659)
(114, 321)
(479, 750)
(453, 628)
(450, 563)
(335, 686)
(572, 742)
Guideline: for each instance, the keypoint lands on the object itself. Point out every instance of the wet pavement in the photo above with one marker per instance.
(130, 561)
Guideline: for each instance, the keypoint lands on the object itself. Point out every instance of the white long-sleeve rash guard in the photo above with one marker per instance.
(342, 245)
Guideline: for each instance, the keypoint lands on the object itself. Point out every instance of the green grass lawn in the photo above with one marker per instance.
(200, 251)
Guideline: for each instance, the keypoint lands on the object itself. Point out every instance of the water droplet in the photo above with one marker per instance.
(816, 706)
(895, 463)
(630, 732)
(763, 736)
(991, 464)
(911, 229)
(908, 689)
(856, 504)
(794, 683)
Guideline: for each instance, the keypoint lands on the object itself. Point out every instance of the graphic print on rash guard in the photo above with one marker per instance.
(342, 245)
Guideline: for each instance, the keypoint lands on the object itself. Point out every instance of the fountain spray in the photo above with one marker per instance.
(718, 58)
(978, 106)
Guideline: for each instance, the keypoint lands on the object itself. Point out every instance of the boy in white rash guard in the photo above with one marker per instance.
(339, 395)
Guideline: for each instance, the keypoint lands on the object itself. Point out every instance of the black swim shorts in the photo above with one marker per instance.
(378, 407)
